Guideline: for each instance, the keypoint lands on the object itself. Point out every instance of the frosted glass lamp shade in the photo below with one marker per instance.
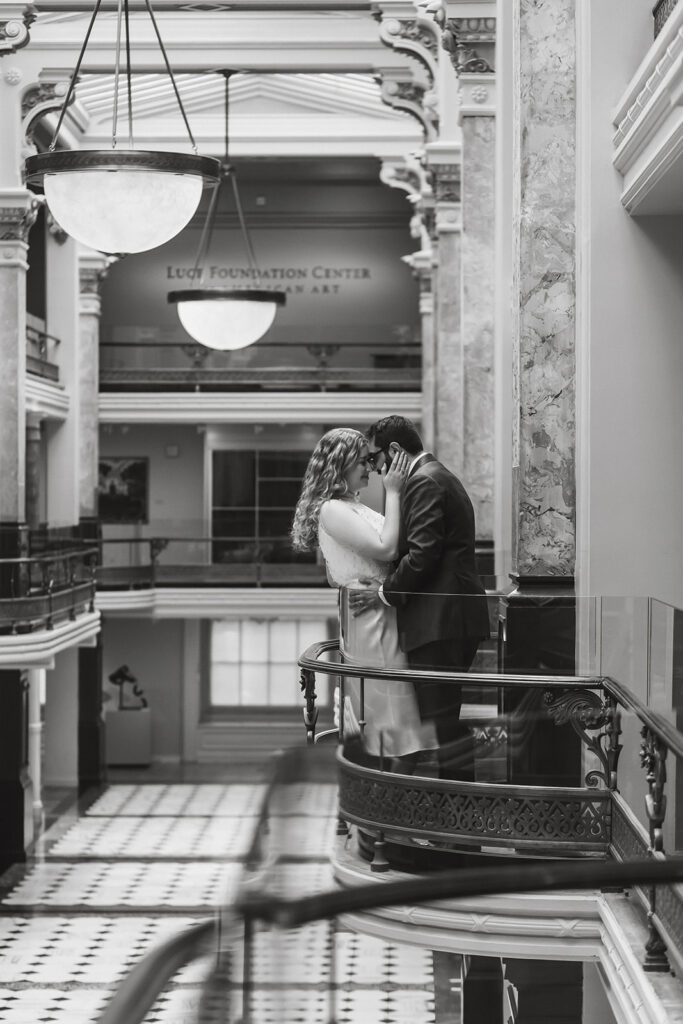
(226, 320)
(121, 201)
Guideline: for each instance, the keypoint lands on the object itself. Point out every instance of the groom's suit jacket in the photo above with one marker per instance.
(436, 557)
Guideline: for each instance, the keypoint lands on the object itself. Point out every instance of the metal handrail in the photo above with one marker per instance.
(309, 662)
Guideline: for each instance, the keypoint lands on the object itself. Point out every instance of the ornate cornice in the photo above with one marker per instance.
(15, 21)
(458, 37)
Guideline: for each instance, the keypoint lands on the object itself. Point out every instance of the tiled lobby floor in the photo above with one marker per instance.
(143, 861)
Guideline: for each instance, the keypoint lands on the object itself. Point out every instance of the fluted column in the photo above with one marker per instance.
(92, 268)
(544, 286)
(449, 397)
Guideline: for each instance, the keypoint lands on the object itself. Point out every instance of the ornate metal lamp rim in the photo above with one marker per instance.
(228, 294)
(63, 161)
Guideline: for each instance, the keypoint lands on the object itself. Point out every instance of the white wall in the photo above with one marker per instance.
(60, 765)
(630, 350)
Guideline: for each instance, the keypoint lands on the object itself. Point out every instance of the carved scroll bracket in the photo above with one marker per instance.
(398, 89)
(15, 22)
(653, 759)
(584, 710)
(409, 32)
(41, 98)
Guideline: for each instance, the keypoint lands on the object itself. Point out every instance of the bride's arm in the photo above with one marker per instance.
(345, 526)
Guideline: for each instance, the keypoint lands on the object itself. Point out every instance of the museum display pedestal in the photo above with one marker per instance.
(129, 736)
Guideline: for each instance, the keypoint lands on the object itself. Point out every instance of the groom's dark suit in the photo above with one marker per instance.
(436, 551)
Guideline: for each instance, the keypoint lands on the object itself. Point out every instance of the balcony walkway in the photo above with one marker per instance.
(123, 869)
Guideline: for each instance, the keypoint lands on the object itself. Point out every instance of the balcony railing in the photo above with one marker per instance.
(155, 367)
(40, 591)
(259, 960)
(134, 563)
(40, 354)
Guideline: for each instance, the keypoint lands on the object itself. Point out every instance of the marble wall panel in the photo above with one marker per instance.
(478, 311)
(12, 379)
(544, 288)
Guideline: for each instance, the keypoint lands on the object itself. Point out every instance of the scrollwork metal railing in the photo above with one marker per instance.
(38, 591)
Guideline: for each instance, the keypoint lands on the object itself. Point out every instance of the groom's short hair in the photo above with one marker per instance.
(398, 429)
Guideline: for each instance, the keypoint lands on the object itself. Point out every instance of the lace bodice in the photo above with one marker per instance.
(344, 565)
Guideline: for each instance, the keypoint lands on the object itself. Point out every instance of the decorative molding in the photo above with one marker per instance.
(458, 37)
(422, 811)
(38, 649)
(275, 407)
(398, 89)
(15, 22)
(48, 401)
(42, 98)
(13, 75)
(409, 32)
(648, 141)
(584, 710)
(17, 221)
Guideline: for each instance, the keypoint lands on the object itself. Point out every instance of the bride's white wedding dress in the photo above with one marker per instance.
(371, 639)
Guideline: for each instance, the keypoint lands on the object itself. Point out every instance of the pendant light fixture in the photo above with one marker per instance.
(225, 318)
(121, 200)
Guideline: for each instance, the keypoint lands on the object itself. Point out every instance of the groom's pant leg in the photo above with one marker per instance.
(441, 703)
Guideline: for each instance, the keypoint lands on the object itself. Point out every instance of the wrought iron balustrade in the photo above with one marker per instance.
(40, 354)
(38, 591)
(272, 921)
(486, 811)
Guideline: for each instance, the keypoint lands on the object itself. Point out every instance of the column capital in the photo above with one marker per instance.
(18, 211)
(477, 92)
(92, 269)
(470, 43)
(399, 89)
(15, 21)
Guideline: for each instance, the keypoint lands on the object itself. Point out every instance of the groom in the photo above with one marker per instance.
(440, 603)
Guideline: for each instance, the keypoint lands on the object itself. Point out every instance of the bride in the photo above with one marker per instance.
(356, 542)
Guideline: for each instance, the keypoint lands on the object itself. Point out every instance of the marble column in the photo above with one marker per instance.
(477, 118)
(421, 264)
(92, 268)
(36, 687)
(33, 459)
(544, 288)
(449, 401)
(17, 211)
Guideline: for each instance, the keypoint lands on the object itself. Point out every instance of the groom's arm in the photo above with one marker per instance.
(424, 508)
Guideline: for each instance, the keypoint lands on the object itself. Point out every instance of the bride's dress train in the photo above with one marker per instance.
(371, 639)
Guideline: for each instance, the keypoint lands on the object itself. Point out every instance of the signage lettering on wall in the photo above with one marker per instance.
(316, 280)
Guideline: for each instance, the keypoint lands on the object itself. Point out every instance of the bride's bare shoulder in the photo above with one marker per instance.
(335, 512)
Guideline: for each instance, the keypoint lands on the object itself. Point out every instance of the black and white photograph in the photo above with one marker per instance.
(341, 559)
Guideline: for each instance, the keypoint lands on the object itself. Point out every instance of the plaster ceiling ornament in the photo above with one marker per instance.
(479, 94)
(15, 21)
(121, 200)
(226, 318)
(13, 76)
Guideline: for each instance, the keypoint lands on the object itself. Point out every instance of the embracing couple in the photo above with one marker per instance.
(424, 606)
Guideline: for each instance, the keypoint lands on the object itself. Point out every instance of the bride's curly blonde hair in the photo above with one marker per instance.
(335, 454)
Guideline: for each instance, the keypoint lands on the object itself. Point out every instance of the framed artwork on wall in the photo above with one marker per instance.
(123, 489)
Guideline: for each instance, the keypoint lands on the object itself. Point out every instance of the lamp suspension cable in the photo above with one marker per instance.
(74, 77)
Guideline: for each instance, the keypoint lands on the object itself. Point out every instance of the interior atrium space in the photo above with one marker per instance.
(341, 562)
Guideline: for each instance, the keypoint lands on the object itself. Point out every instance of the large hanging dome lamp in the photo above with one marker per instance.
(121, 200)
(226, 318)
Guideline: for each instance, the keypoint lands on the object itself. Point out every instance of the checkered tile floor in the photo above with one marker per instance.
(146, 861)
